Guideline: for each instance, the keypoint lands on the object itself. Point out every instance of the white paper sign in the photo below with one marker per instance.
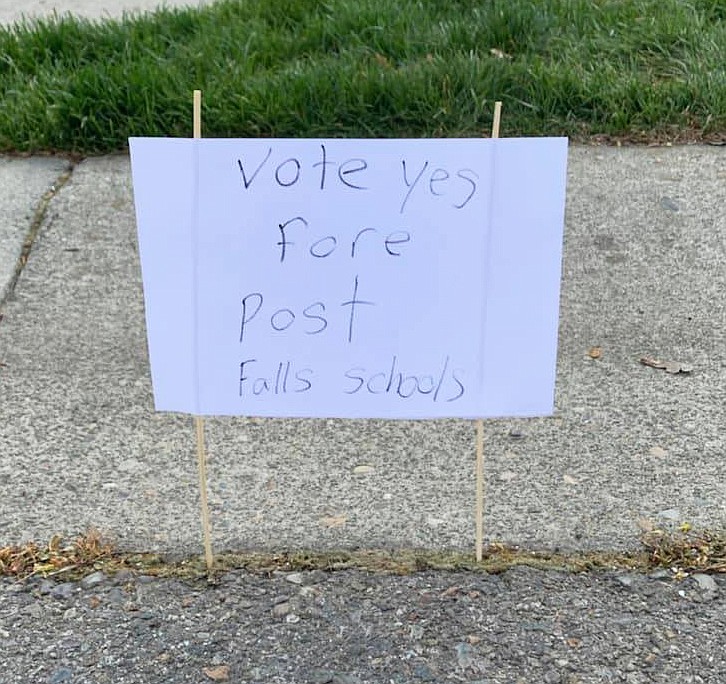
(351, 278)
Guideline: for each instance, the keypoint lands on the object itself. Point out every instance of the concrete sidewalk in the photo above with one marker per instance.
(644, 275)
(12, 11)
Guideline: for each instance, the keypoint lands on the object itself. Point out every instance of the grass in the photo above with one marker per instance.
(638, 70)
(683, 551)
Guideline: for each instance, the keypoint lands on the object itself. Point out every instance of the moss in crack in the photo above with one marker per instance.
(39, 216)
(684, 551)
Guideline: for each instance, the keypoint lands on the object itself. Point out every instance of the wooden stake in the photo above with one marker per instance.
(197, 113)
(199, 420)
(480, 422)
(497, 119)
(479, 489)
(202, 463)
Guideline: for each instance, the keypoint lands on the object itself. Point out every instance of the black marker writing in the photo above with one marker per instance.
(441, 183)
(462, 173)
(323, 323)
(283, 381)
(352, 303)
(290, 171)
(445, 385)
(293, 169)
(357, 237)
(412, 185)
(370, 240)
(242, 377)
(246, 182)
(282, 318)
(284, 242)
(346, 170)
(247, 317)
(399, 237)
(456, 379)
(324, 163)
(438, 176)
(321, 252)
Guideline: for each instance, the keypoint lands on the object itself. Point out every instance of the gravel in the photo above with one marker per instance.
(352, 627)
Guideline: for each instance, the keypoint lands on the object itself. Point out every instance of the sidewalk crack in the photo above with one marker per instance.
(39, 215)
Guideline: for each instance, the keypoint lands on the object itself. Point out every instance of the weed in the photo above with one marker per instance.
(684, 551)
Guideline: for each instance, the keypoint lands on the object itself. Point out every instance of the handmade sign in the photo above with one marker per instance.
(351, 278)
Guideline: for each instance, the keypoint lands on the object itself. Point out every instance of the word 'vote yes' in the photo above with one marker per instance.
(457, 186)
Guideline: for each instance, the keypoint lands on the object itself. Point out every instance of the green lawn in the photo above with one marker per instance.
(635, 70)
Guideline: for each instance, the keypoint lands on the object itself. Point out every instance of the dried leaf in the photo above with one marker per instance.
(217, 674)
(331, 521)
(668, 366)
(594, 352)
(451, 591)
(573, 642)
(650, 361)
(30, 559)
(54, 543)
(42, 568)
